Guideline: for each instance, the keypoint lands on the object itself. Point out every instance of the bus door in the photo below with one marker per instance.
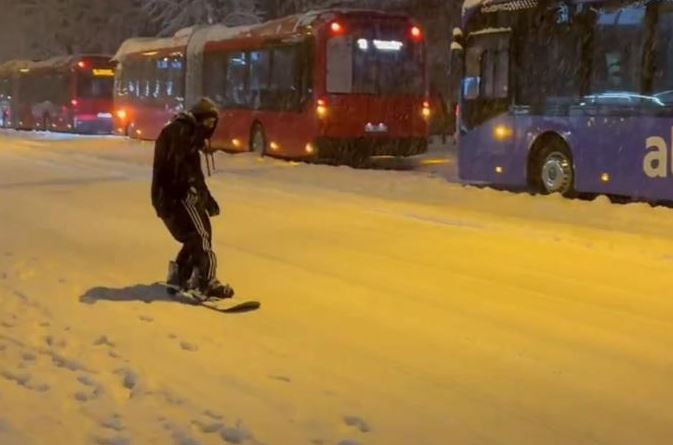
(487, 128)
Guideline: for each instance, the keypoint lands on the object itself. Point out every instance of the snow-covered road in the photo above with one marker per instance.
(398, 308)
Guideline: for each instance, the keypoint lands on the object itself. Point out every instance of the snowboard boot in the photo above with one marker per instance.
(173, 280)
(217, 290)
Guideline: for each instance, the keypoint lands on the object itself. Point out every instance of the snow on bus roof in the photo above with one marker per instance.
(213, 33)
(469, 4)
(145, 44)
(54, 62)
(285, 25)
(13, 65)
(472, 4)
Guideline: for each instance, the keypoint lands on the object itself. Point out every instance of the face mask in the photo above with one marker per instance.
(209, 122)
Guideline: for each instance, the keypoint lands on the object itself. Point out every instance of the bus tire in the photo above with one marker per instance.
(552, 168)
(258, 141)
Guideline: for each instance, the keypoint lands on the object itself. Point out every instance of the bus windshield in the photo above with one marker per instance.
(375, 59)
(95, 87)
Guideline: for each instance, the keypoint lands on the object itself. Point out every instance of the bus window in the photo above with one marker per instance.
(663, 56)
(618, 50)
(340, 65)
(236, 80)
(550, 64)
(486, 83)
(90, 86)
(375, 59)
(214, 76)
(260, 71)
(284, 86)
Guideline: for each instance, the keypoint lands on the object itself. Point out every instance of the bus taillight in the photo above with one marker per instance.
(321, 108)
(121, 114)
(81, 64)
(74, 102)
(426, 111)
(337, 28)
(416, 33)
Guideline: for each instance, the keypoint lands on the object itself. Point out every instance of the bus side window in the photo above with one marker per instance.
(215, 74)
(305, 73)
(285, 81)
(340, 63)
(663, 56)
(487, 75)
(619, 40)
(236, 80)
(260, 76)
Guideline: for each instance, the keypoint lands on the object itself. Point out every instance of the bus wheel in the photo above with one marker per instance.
(554, 171)
(258, 142)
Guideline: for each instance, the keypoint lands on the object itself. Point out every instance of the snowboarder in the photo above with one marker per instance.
(183, 201)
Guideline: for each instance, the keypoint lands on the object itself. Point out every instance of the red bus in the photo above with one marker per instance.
(338, 84)
(69, 93)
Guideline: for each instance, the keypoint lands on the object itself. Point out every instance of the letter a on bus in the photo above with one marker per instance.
(655, 163)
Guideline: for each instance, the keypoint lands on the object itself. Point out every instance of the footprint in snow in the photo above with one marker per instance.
(281, 378)
(146, 318)
(212, 415)
(67, 363)
(349, 442)
(357, 422)
(25, 380)
(117, 440)
(237, 434)
(188, 346)
(51, 341)
(86, 380)
(28, 357)
(129, 378)
(114, 354)
(113, 423)
(208, 427)
(103, 341)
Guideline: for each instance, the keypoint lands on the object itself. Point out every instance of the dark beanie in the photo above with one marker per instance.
(204, 109)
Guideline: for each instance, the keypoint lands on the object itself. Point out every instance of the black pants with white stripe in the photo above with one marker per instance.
(190, 225)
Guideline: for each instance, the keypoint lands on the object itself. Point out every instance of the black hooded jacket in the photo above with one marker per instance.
(177, 161)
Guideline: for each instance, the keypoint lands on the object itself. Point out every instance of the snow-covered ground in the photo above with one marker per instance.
(398, 308)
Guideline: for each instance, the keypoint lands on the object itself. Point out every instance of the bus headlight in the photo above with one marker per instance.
(502, 132)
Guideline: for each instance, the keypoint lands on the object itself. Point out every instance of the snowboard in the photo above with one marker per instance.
(196, 298)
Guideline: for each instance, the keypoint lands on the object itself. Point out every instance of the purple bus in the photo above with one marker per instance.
(567, 97)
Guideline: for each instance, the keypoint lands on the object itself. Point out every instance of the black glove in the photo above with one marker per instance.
(212, 207)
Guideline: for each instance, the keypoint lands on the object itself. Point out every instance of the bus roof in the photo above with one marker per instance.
(54, 62)
(214, 33)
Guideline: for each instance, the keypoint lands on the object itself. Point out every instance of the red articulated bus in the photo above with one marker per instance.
(339, 85)
(70, 94)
